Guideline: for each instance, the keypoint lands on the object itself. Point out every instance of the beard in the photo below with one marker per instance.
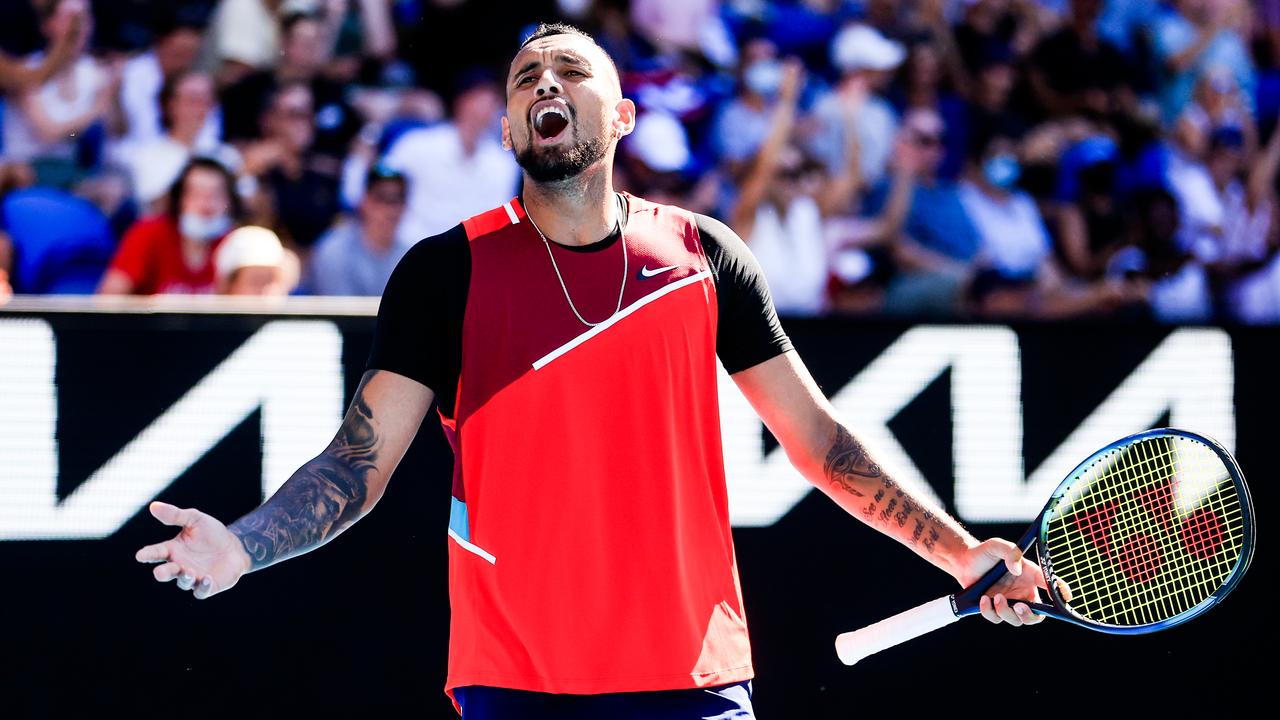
(552, 164)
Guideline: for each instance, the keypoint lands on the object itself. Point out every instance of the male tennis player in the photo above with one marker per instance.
(569, 338)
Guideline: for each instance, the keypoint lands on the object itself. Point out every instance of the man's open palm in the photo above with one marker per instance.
(204, 556)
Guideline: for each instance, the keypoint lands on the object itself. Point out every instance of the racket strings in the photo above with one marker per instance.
(1148, 533)
(1150, 556)
(1145, 612)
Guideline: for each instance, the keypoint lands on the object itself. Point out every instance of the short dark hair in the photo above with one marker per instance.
(556, 28)
(544, 30)
(235, 206)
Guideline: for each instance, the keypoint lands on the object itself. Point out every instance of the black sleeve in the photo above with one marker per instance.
(419, 330)
(749, 332)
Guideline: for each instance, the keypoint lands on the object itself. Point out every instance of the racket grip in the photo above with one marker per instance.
(853, 646)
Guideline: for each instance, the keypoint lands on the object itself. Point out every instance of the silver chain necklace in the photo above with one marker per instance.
(621, 236)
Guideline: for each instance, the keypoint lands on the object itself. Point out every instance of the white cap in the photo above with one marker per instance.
(862, 47)
(659, 140)
(249, 246)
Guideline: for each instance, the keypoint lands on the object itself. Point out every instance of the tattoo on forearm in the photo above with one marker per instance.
(322, 498)
(848, 464)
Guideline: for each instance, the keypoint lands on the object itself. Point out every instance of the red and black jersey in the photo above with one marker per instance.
(590, 546)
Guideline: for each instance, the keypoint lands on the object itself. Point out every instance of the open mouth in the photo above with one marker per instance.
(550, 120)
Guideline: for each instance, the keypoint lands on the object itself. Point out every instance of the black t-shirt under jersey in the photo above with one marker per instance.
(419, 331)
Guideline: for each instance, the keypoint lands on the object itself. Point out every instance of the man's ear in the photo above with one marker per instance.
(624, 118)
(506, 134)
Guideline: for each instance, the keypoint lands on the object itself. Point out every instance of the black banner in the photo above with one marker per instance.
(101, 413)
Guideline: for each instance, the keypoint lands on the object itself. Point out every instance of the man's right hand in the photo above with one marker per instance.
(204, 556)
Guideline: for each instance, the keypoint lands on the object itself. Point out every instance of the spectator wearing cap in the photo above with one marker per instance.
(178, 37)
(654, 160)
(187, 105)
(357, 255)
(298, 190)
(1191, 38)
(304, 49)
(252, 262)
(1074, 71)
(866, 60)
(456, 168)
(1086, 206)
(173, 252)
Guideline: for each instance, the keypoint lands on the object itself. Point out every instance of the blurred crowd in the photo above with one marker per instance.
(918, 158)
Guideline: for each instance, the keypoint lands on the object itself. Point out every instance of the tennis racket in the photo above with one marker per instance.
(1148, 532)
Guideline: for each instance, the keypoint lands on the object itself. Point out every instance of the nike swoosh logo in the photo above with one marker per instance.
(646, 273)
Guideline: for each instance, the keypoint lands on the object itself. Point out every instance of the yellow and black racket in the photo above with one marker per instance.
(1147, 533)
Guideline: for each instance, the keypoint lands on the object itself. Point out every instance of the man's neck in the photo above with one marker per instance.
(577, 211)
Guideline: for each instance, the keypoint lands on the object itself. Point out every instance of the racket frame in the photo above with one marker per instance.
(966, 601)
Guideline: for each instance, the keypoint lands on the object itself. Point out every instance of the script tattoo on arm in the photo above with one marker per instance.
(323, 498)
(849, 467)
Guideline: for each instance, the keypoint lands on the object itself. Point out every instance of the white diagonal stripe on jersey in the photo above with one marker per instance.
(617, 317)
(511, 213)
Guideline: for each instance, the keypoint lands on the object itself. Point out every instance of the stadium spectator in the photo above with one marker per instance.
(786, 198)
(186, 105)
(656, 163)
(992, 110)
(243, 36)
(1177, 285)
(988, 26)
(865, 59)
(1011, 234)
(1192, 37)
(743, 122)
(299, 192)
(1075, 71)
(923, 84)
(20, 76)
(940, 241)
(356, 256)
(303, 53)
(46, 126)
(177, 45)
(251, 261)
(1245, 262)
(173, 252)
(456, 168)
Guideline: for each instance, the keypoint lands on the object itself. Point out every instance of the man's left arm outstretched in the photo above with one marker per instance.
(830, 456)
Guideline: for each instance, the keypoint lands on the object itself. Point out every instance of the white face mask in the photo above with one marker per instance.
(203, 229)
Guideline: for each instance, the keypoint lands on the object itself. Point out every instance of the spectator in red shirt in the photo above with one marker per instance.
(173, 253)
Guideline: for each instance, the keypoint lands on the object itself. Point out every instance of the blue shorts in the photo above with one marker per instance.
(725, 702)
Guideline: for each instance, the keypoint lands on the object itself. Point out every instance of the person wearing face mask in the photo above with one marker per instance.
(744, 123)
(173, 252)
(1012, 236)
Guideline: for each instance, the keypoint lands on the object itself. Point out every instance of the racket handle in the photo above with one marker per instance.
(853, 646)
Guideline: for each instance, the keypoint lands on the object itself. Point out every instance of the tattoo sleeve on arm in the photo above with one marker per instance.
(881, 502)
(323, 498)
